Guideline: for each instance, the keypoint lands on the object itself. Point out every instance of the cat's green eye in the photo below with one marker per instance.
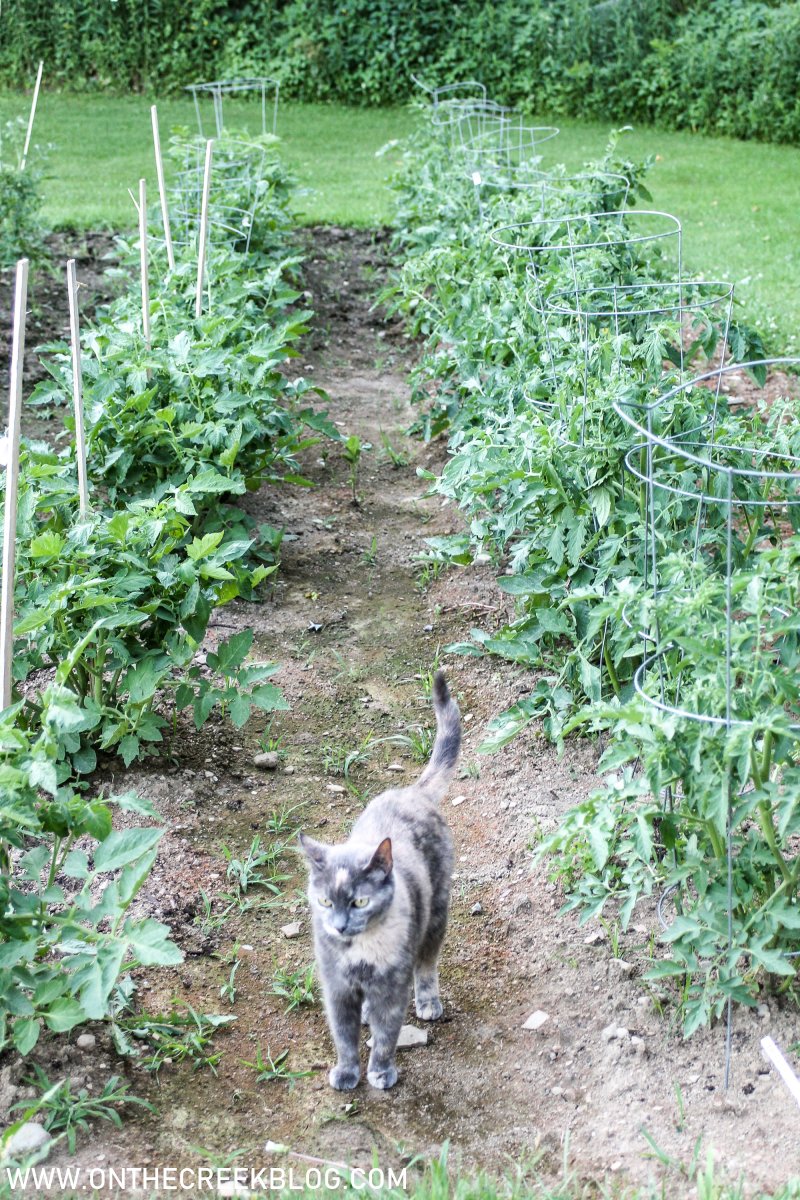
(325, 902)
(361, 901)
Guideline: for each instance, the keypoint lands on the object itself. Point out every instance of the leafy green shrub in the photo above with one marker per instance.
(21, 232)
(209, 409)
(118, 605)
(719, 66)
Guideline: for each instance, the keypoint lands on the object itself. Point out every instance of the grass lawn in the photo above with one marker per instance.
(737, 200)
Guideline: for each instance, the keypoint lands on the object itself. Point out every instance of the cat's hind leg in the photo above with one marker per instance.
(426, 991)
(426, 971)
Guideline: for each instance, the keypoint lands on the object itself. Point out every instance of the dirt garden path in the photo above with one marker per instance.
(354, 635)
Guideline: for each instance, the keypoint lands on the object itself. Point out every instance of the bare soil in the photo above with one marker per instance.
(355, 635)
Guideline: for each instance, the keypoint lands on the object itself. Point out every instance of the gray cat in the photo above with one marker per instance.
(379, 908)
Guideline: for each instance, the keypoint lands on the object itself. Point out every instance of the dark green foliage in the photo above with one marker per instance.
(112, 607)
(20, 229)
(724, 66)
(539, 462)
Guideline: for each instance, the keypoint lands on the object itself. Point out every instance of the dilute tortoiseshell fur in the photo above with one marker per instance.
(379, 908)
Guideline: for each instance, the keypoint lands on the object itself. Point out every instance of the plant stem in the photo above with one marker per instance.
(764, 810)
(612, 674)
(54, 860)
(99, 663)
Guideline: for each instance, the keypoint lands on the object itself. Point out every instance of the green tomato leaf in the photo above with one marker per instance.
(150, 943)
(26, 1032)
(124, 846)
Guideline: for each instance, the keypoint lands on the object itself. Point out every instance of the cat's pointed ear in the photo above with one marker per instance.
(382, 858)
(315, 852)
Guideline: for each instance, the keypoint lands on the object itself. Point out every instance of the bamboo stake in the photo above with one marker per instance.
(12, 484)
(162, 189)
(77, 387)
(774, 1056)
(143, 262)
(26, 147)
(201, 250)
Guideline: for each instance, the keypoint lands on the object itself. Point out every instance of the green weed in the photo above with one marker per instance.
(270, 1069)
(296, 987)
(71, 1112)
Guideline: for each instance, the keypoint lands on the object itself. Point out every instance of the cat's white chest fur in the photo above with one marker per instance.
(382, 942)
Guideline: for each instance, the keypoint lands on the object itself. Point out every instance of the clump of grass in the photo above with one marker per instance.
(272, 1068)
(70, 1112)
(297, 987)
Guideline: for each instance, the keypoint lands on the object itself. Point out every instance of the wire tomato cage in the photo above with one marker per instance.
(732, 563)
(721, 628)
(462, 90)
(455, 117)
(491, 142)
(630, 335)
(486, 134)
(261, 88)
(500, 194)
(555, 259)
(601, 242)
(239, 180)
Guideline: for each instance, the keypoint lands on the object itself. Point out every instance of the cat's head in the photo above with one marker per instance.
(348, 887)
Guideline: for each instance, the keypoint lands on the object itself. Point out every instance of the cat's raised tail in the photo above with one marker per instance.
(436, 776)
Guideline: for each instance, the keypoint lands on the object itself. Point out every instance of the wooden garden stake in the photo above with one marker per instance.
(26, 147)
(162, 191)
(77, 387)
(201, 250)
(12, 484)
(143, 262)
(774, 1056)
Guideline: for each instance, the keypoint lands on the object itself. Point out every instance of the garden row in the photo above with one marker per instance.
(183, 415)
(643, 516)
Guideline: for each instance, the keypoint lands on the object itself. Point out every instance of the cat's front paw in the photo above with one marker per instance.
(385, 1078)
(429, 1010)
(344, 1079)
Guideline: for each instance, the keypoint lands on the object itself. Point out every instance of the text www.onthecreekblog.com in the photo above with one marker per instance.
(201, 1179)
